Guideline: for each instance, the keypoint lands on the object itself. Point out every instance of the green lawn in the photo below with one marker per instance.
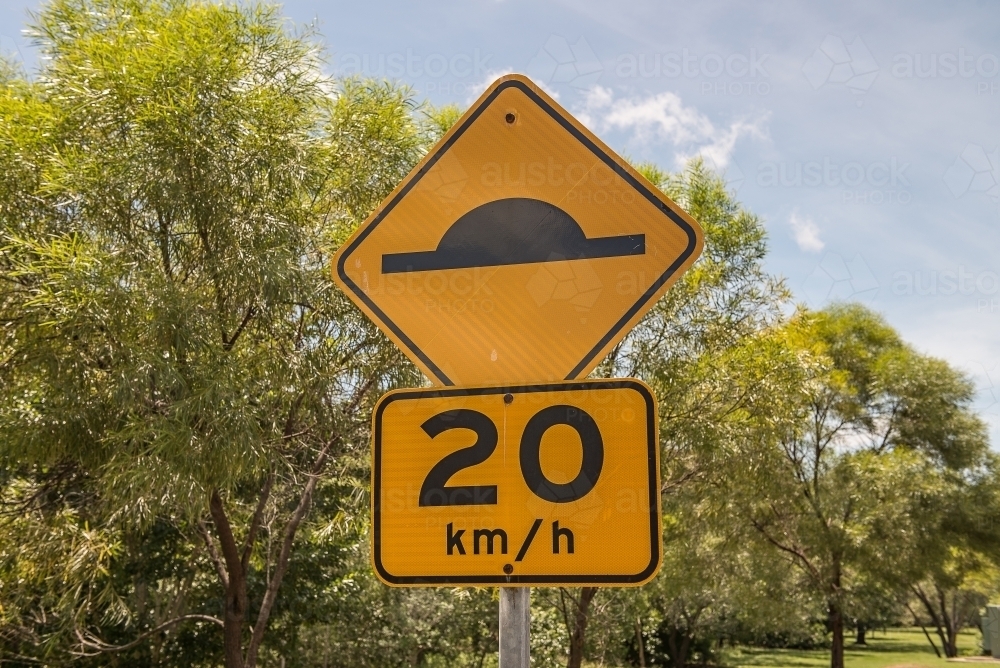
(899, 648)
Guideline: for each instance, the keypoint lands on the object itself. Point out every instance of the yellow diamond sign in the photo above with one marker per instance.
(520, 249)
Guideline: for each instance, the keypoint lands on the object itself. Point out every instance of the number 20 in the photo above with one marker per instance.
(436, 492)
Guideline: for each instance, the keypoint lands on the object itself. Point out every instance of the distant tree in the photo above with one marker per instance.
(953, 567)
(882, 431)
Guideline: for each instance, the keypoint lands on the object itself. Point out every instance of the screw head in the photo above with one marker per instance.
(508, 398)
(510, 118)
(508, 569)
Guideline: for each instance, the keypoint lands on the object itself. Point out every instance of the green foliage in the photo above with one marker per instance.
(857, 487)
(40, 554)
(372, 139)
(369, 624)
(172, 187)
(548, 633)
(723, 378)
(440, 119)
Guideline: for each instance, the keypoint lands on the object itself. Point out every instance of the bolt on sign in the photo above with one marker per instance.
(553, 484)
(521, 248)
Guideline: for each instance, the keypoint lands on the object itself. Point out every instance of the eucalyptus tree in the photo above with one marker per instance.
(853, 489)
(174, 181)
(954, 569)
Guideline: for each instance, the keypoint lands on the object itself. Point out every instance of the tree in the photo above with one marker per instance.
(174, 183)
(683, 345)
(953, 568)
(881, 430)
(953, 597)
(715, 585)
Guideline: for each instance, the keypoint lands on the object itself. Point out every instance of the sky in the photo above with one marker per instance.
(866, 135)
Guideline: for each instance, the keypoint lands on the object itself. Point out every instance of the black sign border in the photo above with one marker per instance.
(596, 150)
(508, 580)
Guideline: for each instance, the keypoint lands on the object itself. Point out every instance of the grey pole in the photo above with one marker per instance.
(515, 627)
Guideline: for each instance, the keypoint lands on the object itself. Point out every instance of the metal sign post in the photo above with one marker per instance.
(515, 627)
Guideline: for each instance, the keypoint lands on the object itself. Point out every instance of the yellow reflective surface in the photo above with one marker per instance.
(519, 322)
(611, 525)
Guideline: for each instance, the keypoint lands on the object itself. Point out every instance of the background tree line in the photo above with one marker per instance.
(185, 397)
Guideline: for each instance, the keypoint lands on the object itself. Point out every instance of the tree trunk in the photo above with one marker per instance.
(835, 619)
(236, 606)
(682, 656)
(638, 639)
(952, 649)
(234, 563)
(950, 639)
(862, 629)
(930, 640)
(579, 635)
(673, 645)
(943, 622)
(235, 583)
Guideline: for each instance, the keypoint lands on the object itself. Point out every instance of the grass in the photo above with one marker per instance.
(900, 648)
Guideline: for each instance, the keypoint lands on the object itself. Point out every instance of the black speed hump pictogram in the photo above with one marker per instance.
(515, 230)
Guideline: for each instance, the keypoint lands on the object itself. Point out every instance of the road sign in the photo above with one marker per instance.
(554, 484)
(520, 249)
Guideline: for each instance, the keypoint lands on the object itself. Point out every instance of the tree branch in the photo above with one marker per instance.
(228, 345)
(271, 595)
(229, 550)
(795, 552)
(213, 553)
(923, 628)
(672, 485)
(165, 245)
(292, 412)
(258, 515)
(101, 647)
(291, 528)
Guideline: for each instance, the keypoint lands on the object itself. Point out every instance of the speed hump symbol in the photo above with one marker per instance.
(520, 249)
(554, 484)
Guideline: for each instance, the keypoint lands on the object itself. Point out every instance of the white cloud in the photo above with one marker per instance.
(806, 233)
(663, 117)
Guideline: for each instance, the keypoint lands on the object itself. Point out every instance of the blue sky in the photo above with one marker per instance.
(866, 135)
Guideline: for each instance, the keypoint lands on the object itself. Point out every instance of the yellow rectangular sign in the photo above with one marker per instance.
(554, 484)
